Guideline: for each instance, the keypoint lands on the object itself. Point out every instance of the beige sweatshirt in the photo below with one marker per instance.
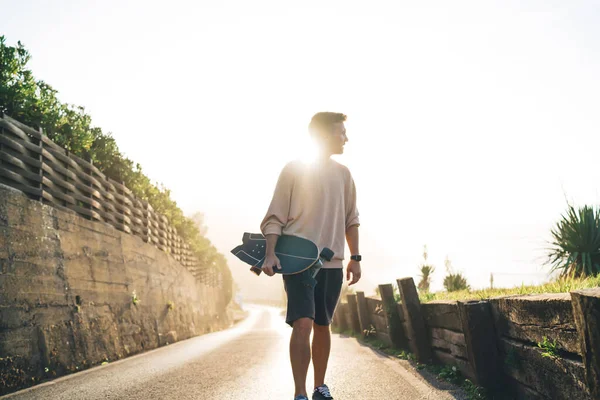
(315, 201)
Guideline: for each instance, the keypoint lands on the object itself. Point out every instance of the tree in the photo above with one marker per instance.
(426, 271)
(454, 281)
(198, 219)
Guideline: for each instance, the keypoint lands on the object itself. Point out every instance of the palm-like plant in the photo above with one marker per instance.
(575, 247)
(426, 272)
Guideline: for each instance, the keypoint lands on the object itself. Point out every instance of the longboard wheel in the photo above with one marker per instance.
(256, 270)
(327, 254)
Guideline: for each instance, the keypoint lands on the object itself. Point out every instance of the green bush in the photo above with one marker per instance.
(455, 282)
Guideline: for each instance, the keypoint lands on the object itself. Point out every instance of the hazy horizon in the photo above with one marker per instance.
(470, 125)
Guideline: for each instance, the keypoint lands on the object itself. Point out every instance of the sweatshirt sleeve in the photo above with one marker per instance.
(278, 212)
(352, 215)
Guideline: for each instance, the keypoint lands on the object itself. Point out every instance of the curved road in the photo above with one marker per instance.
(249, 361)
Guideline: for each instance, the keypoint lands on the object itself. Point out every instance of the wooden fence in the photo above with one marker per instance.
(500, 343)
(32, 163)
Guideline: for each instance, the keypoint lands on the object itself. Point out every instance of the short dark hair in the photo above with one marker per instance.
(323, 121)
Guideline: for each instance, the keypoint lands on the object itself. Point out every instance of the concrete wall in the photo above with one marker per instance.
(67, 294)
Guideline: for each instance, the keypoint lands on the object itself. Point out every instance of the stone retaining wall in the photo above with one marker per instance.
(76, 293)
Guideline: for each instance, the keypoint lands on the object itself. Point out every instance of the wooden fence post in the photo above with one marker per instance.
(353, 312)
(480, 339)
(342, 309)
(41, 171)
(334, 320)
(337, 315)
(363, 312)
(1, 133)
(347, 315)
(586, 310)
(415, 324)
(390, 311)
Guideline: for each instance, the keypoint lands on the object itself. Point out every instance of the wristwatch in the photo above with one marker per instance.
(356, 257)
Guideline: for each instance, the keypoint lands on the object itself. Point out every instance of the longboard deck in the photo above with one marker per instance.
(295, 254)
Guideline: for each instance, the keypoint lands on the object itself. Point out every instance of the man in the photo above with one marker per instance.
(316, 201)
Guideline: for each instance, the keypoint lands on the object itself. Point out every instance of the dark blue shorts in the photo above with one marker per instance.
(312, 298)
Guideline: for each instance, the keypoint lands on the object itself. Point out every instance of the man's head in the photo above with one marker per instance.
(329, 132)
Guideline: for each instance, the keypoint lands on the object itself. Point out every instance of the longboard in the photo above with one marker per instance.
(295, 254)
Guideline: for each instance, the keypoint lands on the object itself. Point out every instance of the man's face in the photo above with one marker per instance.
(337, 139)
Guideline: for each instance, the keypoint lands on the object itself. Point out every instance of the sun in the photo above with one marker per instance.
(306, 151)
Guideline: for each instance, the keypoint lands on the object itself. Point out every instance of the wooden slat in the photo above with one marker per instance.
(54, 165)
(138, 212)
(20, 146)
(121, 209)
(123, 227)
(18, 128)
(123, 199)
(56, 192)
(88, 165)
(442, 314)
(49, 144)
(57, 180)
(85, 211)
(4, 156)
(61, 155)
(455, 350)
(23, 187)
(125, 190)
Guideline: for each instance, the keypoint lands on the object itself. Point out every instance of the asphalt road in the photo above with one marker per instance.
(249, 361)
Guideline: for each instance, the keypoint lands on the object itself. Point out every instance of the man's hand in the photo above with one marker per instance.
(354, 269)
(271, 262)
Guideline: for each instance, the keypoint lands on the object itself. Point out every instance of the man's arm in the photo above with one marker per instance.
(352, 239)
(352, 224)
(278, 212)
(353, 268)
(276, 218)
(271, 243)
(271, 260)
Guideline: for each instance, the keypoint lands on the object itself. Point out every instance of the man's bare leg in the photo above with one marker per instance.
(321, 346)
(300, 352)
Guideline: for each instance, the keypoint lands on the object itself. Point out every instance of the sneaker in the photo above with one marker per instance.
(322, 393)
(301, 397)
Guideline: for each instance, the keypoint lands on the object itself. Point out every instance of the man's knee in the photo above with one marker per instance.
(303, 326)
(321, 329)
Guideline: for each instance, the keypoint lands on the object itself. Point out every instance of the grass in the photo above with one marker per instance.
(379, 345)
(560, 285)
(134, 298)
(549, 348)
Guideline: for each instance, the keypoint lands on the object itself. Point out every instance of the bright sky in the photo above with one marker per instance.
(469, 121)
